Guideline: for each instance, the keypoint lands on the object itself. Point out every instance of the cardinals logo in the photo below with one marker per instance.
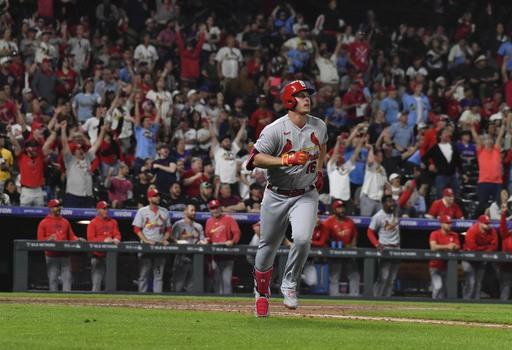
(314, 139)
(390, 226)
(287, 147)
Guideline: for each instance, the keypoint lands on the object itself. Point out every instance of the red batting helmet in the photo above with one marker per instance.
(296, 86)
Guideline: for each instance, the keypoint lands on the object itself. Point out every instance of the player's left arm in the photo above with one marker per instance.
(321, 157)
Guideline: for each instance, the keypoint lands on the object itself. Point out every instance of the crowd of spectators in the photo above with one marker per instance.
(144, 93)
(163, 96)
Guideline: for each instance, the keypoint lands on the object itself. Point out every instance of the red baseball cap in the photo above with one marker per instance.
(445, 219)
(102, 205)
(153, 193)
(448, 192)
(391, 88)
(74, 146)
(213, 204)
(337, 203)
(484, 219)
(53, 203)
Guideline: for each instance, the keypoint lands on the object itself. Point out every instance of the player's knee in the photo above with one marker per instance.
(301, 243)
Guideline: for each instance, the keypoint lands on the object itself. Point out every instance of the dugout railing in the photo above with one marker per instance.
(370, 257)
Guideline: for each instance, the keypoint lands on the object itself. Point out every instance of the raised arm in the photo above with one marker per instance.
(64, 138)
(371, 156)
(47, 146)
(240, 134)
(357, 151)
(94, 148)
(501, 132)
(14, 142)
(213, 133)
(476, 137)
(335, 152)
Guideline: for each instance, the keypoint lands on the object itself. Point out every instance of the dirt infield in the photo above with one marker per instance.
(307, 309)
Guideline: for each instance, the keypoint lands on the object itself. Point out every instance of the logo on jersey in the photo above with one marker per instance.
(286, 133)
(314, 139)
(287, 147)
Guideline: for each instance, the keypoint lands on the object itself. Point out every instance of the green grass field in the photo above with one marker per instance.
(50, 325)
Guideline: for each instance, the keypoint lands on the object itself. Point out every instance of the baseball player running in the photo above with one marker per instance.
(152, 225)
(101, 229)
(292, 148)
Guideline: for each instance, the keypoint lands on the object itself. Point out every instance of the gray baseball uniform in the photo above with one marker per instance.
(182, 272)
(278, 209)
(153, 224)
(388, 230)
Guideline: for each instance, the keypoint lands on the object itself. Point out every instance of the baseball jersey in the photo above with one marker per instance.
(476, 240)
(222, 229)
(153, 223)
(99, 229)
(442, 238)
(506, 235)
(57, 226)
(194, 231)
(339, 180)
(283, 136)
(386, 226)
(341, 230)
(438, 209)
(320, 235)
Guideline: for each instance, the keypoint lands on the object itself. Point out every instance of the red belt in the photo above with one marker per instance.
(289, 193)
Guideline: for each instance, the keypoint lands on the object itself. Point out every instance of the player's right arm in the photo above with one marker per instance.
(263, 153)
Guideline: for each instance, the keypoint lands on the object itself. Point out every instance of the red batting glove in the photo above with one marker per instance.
(319, 184)
(296, 158)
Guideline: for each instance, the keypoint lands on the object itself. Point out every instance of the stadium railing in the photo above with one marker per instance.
(75, 213)
(369, 256)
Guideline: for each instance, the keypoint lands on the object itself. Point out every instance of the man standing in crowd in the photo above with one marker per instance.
(443, 239)
(31, 167)
(374, 181)
(488, 153)
(338, 170)
(205, 196)
(224, 153)
(78, 170)
(445, 206)
(58, 264)
(386, 225)
(187, 231)
(480, 237)
(152, 224)
(101, 229)
(222, 229)
(342, 229)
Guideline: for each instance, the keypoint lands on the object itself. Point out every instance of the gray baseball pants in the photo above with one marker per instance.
(388, 269)
(98, 267)
(148, 264)
(473, 275)
(276, 212)
(438, 281)
(335, 268)
(181, 278)
(56, 266)
(506, 280)
(222, 274)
